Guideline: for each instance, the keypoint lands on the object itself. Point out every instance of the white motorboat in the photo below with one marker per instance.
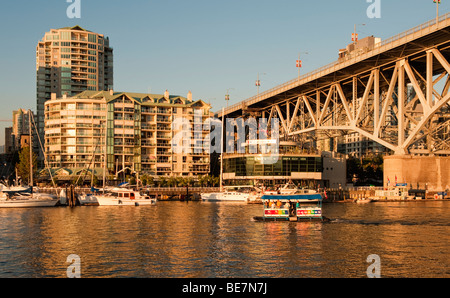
(226, 196)
(123, 197)
(287, 189)
(363, 201)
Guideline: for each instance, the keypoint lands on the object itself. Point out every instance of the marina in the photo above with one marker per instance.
(76, 196)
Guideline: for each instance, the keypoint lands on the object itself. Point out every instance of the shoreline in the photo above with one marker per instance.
(388, 200)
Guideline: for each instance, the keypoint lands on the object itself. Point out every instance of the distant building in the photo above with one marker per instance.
(354, 144)
(133, 130)
(20, 133)
(9, 142)
(68, 61)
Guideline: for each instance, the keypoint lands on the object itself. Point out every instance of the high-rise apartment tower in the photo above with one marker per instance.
(69, 61)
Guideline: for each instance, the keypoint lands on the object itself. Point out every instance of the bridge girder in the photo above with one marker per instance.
(397, 106)
(396, 95)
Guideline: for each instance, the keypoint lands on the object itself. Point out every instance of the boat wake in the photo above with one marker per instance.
(384, 222)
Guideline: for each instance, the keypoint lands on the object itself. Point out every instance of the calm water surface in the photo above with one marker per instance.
(215, 240)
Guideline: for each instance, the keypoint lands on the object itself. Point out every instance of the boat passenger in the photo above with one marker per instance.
(273, 205)
(287, 205)
(279, 203)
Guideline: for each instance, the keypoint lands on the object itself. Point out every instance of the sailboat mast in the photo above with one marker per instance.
(105, 129)
(31, 149)
(221, 151)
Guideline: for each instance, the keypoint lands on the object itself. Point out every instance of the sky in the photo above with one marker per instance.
(208, 47)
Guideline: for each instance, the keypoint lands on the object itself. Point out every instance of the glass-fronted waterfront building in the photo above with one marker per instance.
(129, 130)
(308, 168)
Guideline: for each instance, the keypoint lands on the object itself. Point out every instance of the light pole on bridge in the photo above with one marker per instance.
(258, 83)
(355, 35)
(437, 11)
(227, 96)
(299, 63)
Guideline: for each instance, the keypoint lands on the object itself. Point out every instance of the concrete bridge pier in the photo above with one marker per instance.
(430, 172)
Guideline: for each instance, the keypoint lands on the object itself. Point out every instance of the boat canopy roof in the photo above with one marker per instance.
(293, 197)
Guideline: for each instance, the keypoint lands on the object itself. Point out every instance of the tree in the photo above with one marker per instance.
(202, 180)
(162, 182)
(172, 181)
(150, 181)
(213, 181)
(23, 167)
(96, 181)
(143, 180)
(364, 171)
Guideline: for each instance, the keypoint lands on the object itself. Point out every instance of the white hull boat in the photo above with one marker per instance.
(123, 197)
(287, 189)
(28, 201)
(226, 196)
(88, 200)
(114, 201)
(363, 201)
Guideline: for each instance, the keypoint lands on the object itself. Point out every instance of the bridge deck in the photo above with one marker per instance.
(411, 44)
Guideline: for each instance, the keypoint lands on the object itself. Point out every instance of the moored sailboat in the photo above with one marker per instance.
(224, 195)
(25, 197)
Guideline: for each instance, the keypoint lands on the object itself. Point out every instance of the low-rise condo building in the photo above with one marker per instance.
(132, 132)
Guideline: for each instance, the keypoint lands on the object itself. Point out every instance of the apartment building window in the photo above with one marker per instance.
(65, 35)
(92, 38)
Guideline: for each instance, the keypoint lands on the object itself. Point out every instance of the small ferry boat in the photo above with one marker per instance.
(123, 197)
(296, 207)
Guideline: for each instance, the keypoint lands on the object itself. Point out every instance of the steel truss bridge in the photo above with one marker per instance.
(395, 93)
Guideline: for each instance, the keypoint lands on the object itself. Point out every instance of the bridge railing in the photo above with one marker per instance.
(423, 29)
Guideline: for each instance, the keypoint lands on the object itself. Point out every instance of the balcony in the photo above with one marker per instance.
(164, 144)
(163, 136)
(163, 119)
(148, 127)
(145, 143)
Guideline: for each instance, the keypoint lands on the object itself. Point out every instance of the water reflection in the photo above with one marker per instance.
(199, 239)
